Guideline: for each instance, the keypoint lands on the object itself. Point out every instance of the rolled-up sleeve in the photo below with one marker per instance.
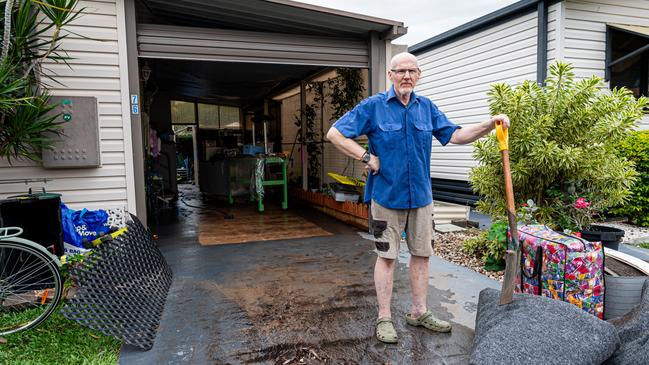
(443, 128)
(355, 122)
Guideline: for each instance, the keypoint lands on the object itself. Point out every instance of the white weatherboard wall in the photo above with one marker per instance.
(585, 32)
(95, 71)
(556, 14)
(458, 75)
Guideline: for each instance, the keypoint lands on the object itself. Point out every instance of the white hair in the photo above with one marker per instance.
(403, 55)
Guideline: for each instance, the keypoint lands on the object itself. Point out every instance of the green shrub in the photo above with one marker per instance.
(475, 246)
(636, 149)
(563, 138)
(490, 245)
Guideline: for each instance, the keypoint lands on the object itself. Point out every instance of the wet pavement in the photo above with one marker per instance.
(296, 301)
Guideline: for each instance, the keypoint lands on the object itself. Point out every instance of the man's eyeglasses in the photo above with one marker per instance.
(402, 72)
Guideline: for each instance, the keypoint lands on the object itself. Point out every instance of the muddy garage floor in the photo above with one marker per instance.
(308, 301)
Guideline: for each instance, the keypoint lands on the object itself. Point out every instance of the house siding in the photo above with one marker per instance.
(458, 75)
(556, 19)
(92, 43)
(585, 32)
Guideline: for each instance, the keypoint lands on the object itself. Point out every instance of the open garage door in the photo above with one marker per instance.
(204, 44)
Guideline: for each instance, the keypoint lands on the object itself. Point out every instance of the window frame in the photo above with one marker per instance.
(643, 52)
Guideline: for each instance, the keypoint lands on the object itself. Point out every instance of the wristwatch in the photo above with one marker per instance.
(366, 157)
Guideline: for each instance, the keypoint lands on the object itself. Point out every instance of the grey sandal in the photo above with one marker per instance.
(385, 331)
(428, 320)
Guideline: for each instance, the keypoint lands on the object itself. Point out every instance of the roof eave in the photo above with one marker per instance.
(516, 9)
(394, 29)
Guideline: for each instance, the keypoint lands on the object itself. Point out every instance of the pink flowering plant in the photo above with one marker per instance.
(575, 213)
(582, 213)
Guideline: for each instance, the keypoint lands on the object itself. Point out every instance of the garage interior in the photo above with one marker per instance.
(222, 87)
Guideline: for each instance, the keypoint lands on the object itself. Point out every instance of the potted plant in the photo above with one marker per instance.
(563, 148)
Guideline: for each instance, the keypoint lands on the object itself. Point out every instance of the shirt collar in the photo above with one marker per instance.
(392, 94)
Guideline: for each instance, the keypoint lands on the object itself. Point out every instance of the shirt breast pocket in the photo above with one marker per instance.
(423, 125)
(390, 126)
(423, 132)
(390, 133)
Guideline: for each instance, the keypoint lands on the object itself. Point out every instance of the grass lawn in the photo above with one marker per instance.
(59, 341)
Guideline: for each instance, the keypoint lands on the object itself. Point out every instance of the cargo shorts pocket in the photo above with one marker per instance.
(377, 227)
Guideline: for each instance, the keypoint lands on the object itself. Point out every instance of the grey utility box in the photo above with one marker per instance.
(78, 146)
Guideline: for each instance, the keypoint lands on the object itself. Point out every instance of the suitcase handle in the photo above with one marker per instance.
(538, 264)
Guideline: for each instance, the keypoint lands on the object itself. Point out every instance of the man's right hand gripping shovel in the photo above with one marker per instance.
(513, 253)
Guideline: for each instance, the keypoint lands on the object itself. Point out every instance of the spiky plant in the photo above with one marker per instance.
(26, 124)
(562, 145)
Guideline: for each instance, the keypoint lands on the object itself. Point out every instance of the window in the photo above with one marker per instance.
(182, 112)
(229, 117)
(208, 116)
(627, 54)
(212, 116)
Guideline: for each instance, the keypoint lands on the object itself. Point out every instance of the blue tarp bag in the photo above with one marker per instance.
(83, 225)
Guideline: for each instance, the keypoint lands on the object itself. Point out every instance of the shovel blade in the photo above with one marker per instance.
(509, 281)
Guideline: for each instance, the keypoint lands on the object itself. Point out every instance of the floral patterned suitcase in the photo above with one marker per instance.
(562, 267)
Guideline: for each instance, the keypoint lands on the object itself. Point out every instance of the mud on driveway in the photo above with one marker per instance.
(305, 301)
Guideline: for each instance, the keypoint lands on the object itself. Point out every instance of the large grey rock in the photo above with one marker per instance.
(539, 330)
(633, 329)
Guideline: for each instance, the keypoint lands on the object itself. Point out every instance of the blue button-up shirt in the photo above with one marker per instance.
(401, 136)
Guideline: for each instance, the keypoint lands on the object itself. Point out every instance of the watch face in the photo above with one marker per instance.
(366, 157)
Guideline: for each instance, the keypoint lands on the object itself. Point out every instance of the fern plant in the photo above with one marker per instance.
(562, 145)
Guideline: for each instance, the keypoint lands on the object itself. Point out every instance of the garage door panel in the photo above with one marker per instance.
(173, 42)
(168, 31)
(256, 45)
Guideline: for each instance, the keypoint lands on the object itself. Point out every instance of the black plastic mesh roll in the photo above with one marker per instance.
(123, 287)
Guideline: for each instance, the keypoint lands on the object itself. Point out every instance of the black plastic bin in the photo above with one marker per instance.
(39, 215)
(609, 236)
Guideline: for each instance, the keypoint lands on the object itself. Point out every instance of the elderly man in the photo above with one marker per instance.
(400, 126)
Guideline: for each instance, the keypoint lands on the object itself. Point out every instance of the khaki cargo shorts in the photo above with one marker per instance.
(387, 224)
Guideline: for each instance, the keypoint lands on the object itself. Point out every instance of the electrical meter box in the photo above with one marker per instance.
(78, 145)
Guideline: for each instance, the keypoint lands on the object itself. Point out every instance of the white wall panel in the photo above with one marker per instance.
(585, 32)
(458, 75)
(95, 71)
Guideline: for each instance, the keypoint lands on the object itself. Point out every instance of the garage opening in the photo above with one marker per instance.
(236, 101)
(218, 132)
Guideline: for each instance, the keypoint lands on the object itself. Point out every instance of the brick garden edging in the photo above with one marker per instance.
(348, 212)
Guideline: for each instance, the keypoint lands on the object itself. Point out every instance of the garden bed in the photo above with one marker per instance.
(448, 246)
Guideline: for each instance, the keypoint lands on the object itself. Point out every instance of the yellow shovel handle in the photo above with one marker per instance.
(503, 136)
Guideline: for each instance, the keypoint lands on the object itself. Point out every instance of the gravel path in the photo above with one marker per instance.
(633, 235)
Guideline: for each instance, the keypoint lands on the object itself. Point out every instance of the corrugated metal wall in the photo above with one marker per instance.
(95, 72)
(187, 43)
(457, 76)
(585, 32)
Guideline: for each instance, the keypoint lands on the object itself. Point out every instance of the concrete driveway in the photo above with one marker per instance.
(309, 300)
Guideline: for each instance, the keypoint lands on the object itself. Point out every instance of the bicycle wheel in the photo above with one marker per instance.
(30, 286)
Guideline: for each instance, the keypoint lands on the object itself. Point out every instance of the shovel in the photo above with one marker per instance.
(512, 257)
